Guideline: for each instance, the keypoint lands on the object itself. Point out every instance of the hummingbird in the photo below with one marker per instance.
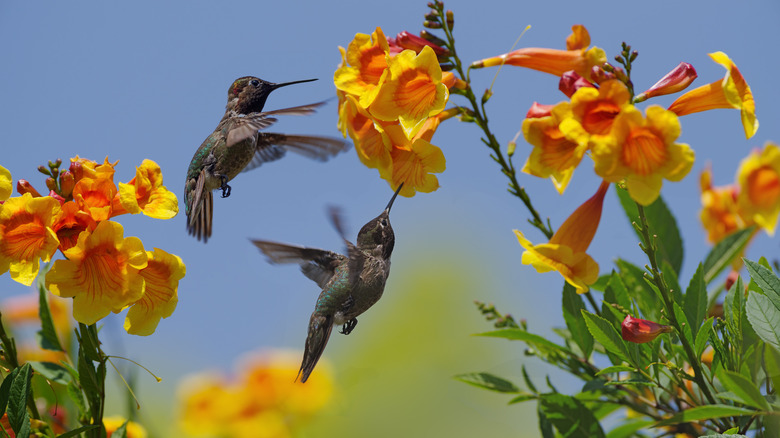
(238, 145)
(350, 283)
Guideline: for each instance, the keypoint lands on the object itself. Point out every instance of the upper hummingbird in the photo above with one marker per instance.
(237, 145)
(350, 283)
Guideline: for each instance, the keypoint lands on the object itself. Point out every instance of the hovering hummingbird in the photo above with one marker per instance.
(350, 284)
(238, 145)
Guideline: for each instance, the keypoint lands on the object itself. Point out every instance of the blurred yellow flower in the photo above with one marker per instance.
(101, 272)
(578, 57)
(133, 429)
(565, 251)
(6, 184)
(719, 208)
(643, 151)
(26, 236)
(146, 194)
(730, 92)
(758, 177)
(554, 155)
(161, 275)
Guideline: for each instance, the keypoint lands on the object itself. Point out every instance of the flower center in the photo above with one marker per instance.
(764, 187)
(599, 116)
(416, 93)
(644, 152)
(558, 151)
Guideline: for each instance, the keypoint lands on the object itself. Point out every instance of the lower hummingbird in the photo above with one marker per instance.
(350, 283)
(238, 145)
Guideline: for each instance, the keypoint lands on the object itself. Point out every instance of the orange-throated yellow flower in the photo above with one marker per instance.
(642, 150)
(101, 272)
(554, 155)
(577, 57)
(161, 276)
(372, 149)
(640, 331)
(363, 66)
(595, 109)
(6, 184)
(413, 162)
(70, 222)
(95, 195)
(730, 92)
(758, 178)
(565, 251)
(26, 236)
(719, 208)
(146, 194)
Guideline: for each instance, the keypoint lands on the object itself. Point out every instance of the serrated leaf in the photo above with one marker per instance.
(695, 301)
(545, 427)
(746, 390)
(724, 252)
(488, 381)
(616, 369)
(530, 338)
(5, 390)
(570, 417)
(765, 319)
(766, 280)
(572, 305)
(77, 397)
(18, 417)
(639, 289)
(705, 413)
(703, 336)
(670, 277)
(683, 321)
(640, 382)
(662, 224)
(47, 336)
(77, 432)
(52, 371)
(606, 334)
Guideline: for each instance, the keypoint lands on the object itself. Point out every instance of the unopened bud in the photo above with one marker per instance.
(432, 24)
(640, 331)
(446, 67)
(55, 164)
(676, 80)
(432, 38)
(413, 42)
(450, 19)
(23, 186)
(51, 183)
(598, 75)
(44, 170)
(432, 16)
(67, 182)
(510, 149)
(487, 95)
(571, 82)
(57, 196)
(538, 110)
(634, 54)
(77, 170)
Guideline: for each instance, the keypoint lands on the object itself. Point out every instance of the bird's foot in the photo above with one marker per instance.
(349, 326)
(225, 187)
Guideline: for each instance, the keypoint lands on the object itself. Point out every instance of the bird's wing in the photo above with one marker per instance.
(301, 110)
(247, 126)
(357, 258)
(320, 327)
(318, 265)
(272, 146)
(200, 209)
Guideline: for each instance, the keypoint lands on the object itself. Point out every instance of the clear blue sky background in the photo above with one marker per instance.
(137, 80)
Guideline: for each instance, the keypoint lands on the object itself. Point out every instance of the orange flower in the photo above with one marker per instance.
(372, 149)
(101, 273)
(595, 109)
(26, 236)
(758, 177)
(557, 62)
(413, 162)
(94, 195)
(730, 92)
(565, 252)
(162, 275)
(640, 331)
(146, 194)
(363, 66)
(719, 208)
(69, 223)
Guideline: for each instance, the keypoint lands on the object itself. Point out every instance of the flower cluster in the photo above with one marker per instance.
(103, 271)
(263, 400)
(392, 95)
(754, 198)
(601, 120)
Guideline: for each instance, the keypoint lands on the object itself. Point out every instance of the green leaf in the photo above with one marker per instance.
(545, 427)
(20, 389)
(524, 396)
(488, 381)
(74, 392)
(572, 306)
(616, 369)
(662, 225)
(724, 252)
(527, 379)
(734, 308)
(640, 382)
(627, 430)
(606, 334)
(722, 435)
(121, 431)
(695, 301)
(766, 280)
(77, 432)
(765, 319)
(52, 371)
(746, 390)
(529, 338)
(703, 336)
(570, 416)
(705, 413)
(639, 289)
(683, 320)
(672, 282)
(47, 336)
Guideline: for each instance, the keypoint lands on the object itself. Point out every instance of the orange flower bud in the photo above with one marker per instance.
(640, 331)
(23, 186)
(571, 82)
(67, 182)
(410, 41)
(674, 81)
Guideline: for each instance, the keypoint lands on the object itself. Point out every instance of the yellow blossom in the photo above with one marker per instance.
(70, 222)
(100, 273)
(719, 209)
(146, 194)
(94, 195)
(413, 162)
(730, 92)
(758, 177)
(554, 155)
(565, 251)
(643, 151)
(162, 275)
(133, 429)
(6, 184)
(363, 66)
(26, 236)
(595, 109)
(372, 149)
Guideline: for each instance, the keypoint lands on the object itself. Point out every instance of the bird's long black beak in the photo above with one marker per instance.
(390, 204)
(284, 84)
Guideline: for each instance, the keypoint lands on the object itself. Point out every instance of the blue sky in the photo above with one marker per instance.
(143, 80)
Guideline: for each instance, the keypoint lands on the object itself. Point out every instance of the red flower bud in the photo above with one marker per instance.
(67, 182)
(571, 82)
(538, 110)
(640, 331)
(57, 196)
(674, 81)
(413, 42)
(23, 186)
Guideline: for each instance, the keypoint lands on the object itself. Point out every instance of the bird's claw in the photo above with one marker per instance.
(225, 187)
(349, 326)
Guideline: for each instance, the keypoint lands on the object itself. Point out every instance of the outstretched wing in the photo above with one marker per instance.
(272, 146)
(248, 125)
(318, 265)
(357, 258)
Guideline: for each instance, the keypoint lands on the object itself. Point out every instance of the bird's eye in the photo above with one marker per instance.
(383, 222)
(254, 83)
